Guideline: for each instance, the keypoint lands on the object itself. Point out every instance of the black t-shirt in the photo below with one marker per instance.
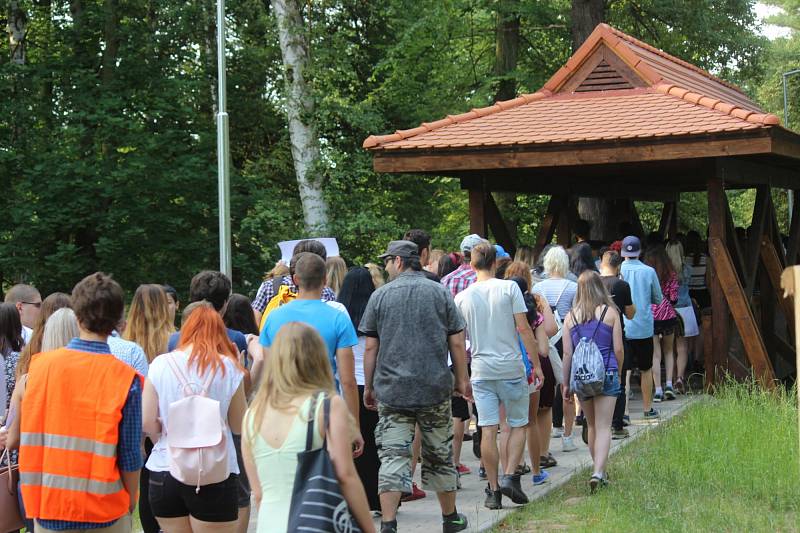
(431, 276)
(621, 294)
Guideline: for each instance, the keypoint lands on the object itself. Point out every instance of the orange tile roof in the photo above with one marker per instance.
(681, 99)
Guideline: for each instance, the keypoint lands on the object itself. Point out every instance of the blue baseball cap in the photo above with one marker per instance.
(500, 252)
(631, 246)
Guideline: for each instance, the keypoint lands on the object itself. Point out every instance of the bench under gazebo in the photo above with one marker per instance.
(624, 121)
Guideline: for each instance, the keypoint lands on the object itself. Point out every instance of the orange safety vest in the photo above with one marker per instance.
(70, 418)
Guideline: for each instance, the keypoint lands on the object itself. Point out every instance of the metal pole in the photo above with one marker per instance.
(790, 199)
(223, 152)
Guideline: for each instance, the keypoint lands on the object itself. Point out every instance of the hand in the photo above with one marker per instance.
(567, 394)
(358, 445)
(464, 389)
(370, 402)
(3, 438)
(538, 377)
(254, 347)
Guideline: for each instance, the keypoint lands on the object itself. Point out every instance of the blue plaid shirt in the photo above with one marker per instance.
(129, 448)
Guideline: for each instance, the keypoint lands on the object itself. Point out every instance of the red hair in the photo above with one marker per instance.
(205, 331)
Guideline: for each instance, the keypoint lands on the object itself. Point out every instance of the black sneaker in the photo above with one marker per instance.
(476, 443)
(511, 487)
(481, 473)
(454, 524)
(669, 394)
(389, 527)
(493, 499)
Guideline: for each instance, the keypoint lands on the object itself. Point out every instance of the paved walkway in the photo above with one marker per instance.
(425, 516)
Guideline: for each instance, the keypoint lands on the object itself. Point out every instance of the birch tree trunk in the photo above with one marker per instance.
(300, 111)
(17, 28)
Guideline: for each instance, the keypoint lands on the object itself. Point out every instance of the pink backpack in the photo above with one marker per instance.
(196, 436)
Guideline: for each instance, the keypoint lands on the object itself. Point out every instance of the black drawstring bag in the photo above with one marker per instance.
(317, 501)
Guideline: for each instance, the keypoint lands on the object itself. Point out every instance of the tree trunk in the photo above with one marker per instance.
(586, 15)
(17, 28)
(507, 39)
(300, 111)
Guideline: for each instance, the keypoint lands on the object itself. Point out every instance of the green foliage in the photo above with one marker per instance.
(108, 153)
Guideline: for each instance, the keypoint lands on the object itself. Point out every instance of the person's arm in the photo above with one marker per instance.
(619, 346)
(543, 308)
(370, 359)
(16, 404)
(630, 311)
(529, 341)
(236, 410)
(566, 365)
(458, 354)
(3, 438)
(542, 340)
(340, 434)
(129, 449)
(249, 462)
(345, 364)
(259, 353)
(151, 423)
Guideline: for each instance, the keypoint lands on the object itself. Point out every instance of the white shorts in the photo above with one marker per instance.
(690, 328)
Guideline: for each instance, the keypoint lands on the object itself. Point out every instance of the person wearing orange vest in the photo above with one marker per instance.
(81, 424)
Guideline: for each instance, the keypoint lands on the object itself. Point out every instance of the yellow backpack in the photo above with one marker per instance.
(284, 296)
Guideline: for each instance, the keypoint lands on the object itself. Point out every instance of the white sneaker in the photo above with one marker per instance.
(567, 444)
(557, 433)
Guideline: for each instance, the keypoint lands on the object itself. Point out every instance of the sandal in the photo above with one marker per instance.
(523, 469)
(547, 461)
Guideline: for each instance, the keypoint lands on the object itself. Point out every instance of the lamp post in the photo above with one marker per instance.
(223, 153)
(786, 76)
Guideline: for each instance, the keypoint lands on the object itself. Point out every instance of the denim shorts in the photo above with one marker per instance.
(611, 386)
(512, 393)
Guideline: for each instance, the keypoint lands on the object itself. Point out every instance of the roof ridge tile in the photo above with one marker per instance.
(767, 119)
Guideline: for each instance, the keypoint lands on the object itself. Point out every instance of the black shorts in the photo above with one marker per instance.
(641, 352)
(169, 498)
(460, 408)
(665, 327)
(547, 393)
(244, 484)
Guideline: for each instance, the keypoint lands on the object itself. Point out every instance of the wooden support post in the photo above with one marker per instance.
(708, 352)
(566, 220)
(774, 232)
(734, 246)
(666, 215)
(477, 212)
(742, 314)
(636, 221)
(719, 307)
(773, 269)
(500, 229)
(755, 237)
(794, 233)
(672, 232)
(548, 227)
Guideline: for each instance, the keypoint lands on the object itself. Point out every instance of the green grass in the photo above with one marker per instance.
(728, 463)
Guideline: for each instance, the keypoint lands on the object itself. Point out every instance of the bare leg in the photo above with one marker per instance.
(503, 445)
(244, 519)
(683, 356)
(516, 448)
(603, 412)
(390, 501)
(534, 446)
(199, 526)
(647, 389)
(668, 343)
(416, 451)
(489, 454)
(175, 525)
(447, 501)
(656, 362)
(588, 412)
(458, 439)
(569, 416)
(545, 422)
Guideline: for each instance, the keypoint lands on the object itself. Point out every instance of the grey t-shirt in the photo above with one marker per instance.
(412, 317)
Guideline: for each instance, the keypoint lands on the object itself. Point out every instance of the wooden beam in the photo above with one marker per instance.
(708, 352)
(666, 218)
(635, 220)
(749, 171)
(477, 212)
(742, 314)
(548, 226)
(429, 159)
(719, 307)
(773, 269)
(754, 238)
(500, 229)
(774, 232)
(565, 222)
(794, 232)
(672, 231)
(733, 242)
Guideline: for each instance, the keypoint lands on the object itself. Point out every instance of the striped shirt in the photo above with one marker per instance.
(698, 279)
(666, 310)
(268, 290)
(559, 293)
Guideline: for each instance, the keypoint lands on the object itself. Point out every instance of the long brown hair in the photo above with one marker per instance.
(205, 332)
(297, 365)
(519, 269)
(148, 323)
(657, 258)
(50, 305)
(591, 293)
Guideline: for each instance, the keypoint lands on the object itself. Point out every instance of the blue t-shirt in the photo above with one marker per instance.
(236, 337)
(645, 290)
(335, 327)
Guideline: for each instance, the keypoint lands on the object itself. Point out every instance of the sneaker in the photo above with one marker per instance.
(658, 397)
(594, 483)
(669, 394)
(619, 434)
(652, 414)
(476, 443)
(493, 499)
(451, 525)
(584, 430)
(547, 461)
(567, 444)
(680, 386)
(557, 433)
(389, 527)
(511, 487)
(481, 473)
(463, 469)
(626, 420)
(541, 478)
(523, 469)
(415, 494)
(467, 437)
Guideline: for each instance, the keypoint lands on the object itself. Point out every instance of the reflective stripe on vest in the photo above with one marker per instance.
(73, 444)
(54, 481)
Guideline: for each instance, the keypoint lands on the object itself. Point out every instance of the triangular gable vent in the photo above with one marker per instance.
(604, 77)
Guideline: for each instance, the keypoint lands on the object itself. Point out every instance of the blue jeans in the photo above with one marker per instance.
(611, 386)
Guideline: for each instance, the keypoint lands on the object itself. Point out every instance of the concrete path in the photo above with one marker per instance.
(425, 516)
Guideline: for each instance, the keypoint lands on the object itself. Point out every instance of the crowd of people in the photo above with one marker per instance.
(377, 367)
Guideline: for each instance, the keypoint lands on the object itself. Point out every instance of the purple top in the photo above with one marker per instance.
(604, 338)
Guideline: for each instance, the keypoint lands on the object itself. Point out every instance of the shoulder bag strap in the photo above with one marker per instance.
(312, 417)
(560, 294)
(326, 420)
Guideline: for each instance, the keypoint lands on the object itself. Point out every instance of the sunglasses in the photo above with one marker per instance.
(37, 305)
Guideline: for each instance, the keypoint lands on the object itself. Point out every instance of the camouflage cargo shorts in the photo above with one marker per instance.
(394, 436)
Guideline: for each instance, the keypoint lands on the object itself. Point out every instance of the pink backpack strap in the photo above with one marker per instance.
(179, 375)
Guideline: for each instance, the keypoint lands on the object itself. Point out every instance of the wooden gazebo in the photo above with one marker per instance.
(624, 121)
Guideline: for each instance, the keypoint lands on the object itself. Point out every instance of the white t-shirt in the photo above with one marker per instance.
(27, 333)
(358, 355)
(488, 308)
(169, 390)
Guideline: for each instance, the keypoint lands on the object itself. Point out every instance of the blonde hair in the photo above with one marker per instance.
(675, 254)
(60, 328)
(148, 322)
(435, 255)
(556, 262)
(297, 365)
(591, 293)
(278, 271)
(335, 271)
(377, 274)
(525, 254)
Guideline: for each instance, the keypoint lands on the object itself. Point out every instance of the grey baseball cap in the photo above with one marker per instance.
(471, 241)
(401, 249)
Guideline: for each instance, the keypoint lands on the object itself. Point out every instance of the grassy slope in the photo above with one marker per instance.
(729, 463)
